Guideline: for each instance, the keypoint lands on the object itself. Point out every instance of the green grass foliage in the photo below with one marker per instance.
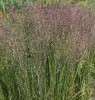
(17, 4)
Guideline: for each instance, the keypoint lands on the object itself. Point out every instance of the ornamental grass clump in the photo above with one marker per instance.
(46, 53)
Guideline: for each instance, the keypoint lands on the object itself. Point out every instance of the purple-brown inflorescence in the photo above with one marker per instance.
(70, 25)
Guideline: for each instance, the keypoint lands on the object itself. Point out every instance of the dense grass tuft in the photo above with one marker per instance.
(47, 53)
